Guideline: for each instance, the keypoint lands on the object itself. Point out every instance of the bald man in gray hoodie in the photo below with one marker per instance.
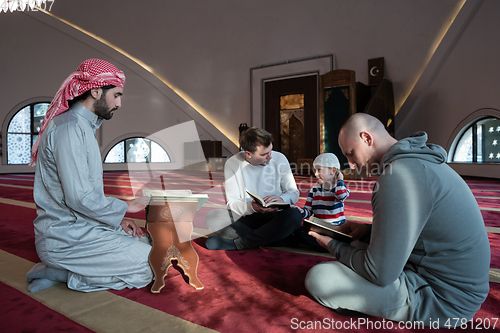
(428, 256)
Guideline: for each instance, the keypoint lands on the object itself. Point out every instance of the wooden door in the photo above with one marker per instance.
(302, 138)
(337, 104)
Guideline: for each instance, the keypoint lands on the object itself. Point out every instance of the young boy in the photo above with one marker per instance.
(326, 199)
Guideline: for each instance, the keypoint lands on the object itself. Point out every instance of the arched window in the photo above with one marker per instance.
(23, 130)
(136, 150)
(480, 142)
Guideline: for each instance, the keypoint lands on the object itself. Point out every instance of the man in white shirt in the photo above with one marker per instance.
(258, 169)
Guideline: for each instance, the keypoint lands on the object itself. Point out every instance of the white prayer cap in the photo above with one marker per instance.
(327, 160)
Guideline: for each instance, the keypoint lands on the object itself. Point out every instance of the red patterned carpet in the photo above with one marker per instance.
(258, 290)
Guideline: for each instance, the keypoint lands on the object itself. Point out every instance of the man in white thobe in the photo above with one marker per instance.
(81, 236)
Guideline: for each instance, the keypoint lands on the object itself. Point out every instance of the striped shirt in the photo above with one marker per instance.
(327, 205)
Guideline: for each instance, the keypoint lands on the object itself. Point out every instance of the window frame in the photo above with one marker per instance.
(8, 119)
(459, 132)
(125, 155)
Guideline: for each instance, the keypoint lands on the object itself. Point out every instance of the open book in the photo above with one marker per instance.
(267, 204)
(324, 228)
(159, 196)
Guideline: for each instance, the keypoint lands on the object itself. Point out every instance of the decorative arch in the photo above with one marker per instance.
(466, 125)
(146, 149)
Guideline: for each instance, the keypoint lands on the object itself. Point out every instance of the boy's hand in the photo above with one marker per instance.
(300, 209)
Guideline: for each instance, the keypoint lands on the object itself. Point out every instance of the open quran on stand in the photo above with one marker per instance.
(162, 196)
(324, 228)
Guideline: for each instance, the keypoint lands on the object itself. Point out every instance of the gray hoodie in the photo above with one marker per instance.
(427, 226)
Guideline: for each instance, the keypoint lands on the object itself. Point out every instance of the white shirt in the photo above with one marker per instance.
(276, 178)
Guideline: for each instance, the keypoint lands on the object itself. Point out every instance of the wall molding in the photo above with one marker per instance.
(123, 60)
(465, 15)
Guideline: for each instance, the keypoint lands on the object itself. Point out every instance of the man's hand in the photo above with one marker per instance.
(273, 198)
(322, 239)
(356, 230)
(259, 209)
(270, 198)
(130, 227)
(137, 204)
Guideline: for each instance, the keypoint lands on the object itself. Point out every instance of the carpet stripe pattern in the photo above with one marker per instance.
(243, 290)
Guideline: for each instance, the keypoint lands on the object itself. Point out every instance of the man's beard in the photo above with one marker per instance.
(370, 165)
(101, 108)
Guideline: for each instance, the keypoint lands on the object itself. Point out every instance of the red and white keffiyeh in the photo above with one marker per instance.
(92, 73)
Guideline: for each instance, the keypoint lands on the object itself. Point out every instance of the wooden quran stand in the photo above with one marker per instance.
(170, 223)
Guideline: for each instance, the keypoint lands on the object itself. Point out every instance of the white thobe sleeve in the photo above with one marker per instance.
(82, 184)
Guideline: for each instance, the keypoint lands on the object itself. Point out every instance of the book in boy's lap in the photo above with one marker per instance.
(324, 228)
(260, 201)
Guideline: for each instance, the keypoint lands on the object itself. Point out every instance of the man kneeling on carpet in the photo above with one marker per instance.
(248, 224)
(81, 236)
(428, 255)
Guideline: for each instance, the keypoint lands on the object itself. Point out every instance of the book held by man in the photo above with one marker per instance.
(324, 228)
(260, 201)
